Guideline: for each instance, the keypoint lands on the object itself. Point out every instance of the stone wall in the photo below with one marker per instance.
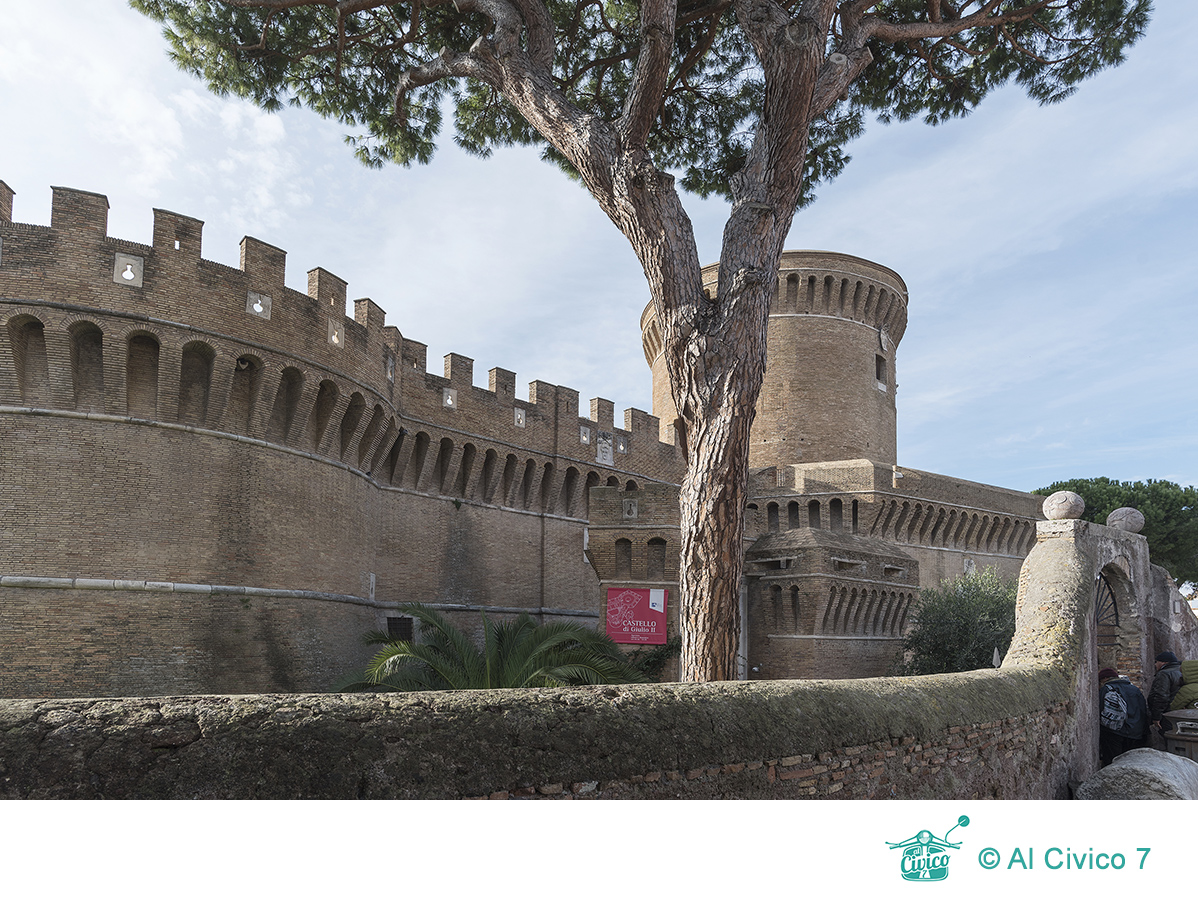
(986, 734)
(1025, 730)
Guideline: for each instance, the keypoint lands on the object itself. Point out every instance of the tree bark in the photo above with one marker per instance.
(721, 396)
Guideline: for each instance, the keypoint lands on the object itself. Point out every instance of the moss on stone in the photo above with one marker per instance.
(473, 743)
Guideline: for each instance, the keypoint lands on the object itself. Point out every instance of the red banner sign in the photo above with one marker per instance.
(637, 615)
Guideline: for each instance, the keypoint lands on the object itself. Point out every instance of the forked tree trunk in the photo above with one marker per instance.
(714, 346)
(715, 353)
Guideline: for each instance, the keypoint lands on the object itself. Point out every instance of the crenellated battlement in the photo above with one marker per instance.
(93, 322)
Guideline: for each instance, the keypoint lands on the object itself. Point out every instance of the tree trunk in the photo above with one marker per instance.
(714, 346)
(715, 352)
(718, 392)
(712, 506)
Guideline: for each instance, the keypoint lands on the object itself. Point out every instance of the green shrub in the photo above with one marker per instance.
(959, 624)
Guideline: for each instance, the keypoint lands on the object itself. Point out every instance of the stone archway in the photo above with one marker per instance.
(1118, 630)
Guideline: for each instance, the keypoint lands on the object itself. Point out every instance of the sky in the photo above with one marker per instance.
(1048, 251)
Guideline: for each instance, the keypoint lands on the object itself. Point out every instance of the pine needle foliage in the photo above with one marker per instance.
(517, 653)
(346, 62)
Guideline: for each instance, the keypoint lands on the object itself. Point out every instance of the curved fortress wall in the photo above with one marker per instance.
(212, 482)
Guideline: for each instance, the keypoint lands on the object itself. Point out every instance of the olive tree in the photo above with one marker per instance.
(752, 100)
(961, 625)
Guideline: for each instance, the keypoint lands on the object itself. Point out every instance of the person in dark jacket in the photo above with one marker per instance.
(1122, 716)
(1164, 686)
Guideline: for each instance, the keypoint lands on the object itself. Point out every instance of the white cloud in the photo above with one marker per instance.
(1049, 252)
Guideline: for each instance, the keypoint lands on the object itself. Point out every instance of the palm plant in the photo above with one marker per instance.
(517, 653)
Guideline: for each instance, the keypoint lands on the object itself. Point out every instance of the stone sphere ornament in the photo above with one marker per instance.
(1064, 505)
(1126, 518)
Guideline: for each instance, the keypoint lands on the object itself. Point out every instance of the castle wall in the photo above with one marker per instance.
(948, 525)
(91, 638)
(826, 604)
(171, 420)
(634, 542)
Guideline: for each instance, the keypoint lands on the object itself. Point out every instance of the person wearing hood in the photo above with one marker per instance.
(1164, 686)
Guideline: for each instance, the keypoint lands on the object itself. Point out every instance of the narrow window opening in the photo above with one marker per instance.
(87, 366)
(141, 377)
(349, 422)
(287, 400)
(195, 382)
(792, 514)
(399, 628)
(247, 377)
(623, 558)
(326, 399)
(490, 461)
(657, 558)
(444, 455)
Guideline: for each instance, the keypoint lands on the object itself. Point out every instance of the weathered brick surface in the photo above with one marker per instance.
(824, 438)
(198, 424)
(165, 418)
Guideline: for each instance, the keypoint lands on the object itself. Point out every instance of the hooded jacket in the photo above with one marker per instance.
(1164, 686)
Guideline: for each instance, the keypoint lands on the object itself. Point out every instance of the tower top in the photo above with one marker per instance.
(828, 393)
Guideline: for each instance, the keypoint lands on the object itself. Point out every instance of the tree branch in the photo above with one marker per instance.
(445, 65)
(838, 71)
(818, 11)
(685, 17)
(540, 30)
(643, 104)
(760, 21)
(984, 17)
(695, 54)
(343, 7)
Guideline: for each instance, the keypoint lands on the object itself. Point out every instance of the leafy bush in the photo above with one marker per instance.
(652, 661)
(960, 623)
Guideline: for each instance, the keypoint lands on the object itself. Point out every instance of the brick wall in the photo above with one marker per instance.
(164, 418)
(835, 325)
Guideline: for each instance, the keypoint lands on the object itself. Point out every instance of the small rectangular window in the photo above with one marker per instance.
(880, 368)
(399, 628)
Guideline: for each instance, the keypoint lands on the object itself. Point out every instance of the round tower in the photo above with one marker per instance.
(828, 393)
